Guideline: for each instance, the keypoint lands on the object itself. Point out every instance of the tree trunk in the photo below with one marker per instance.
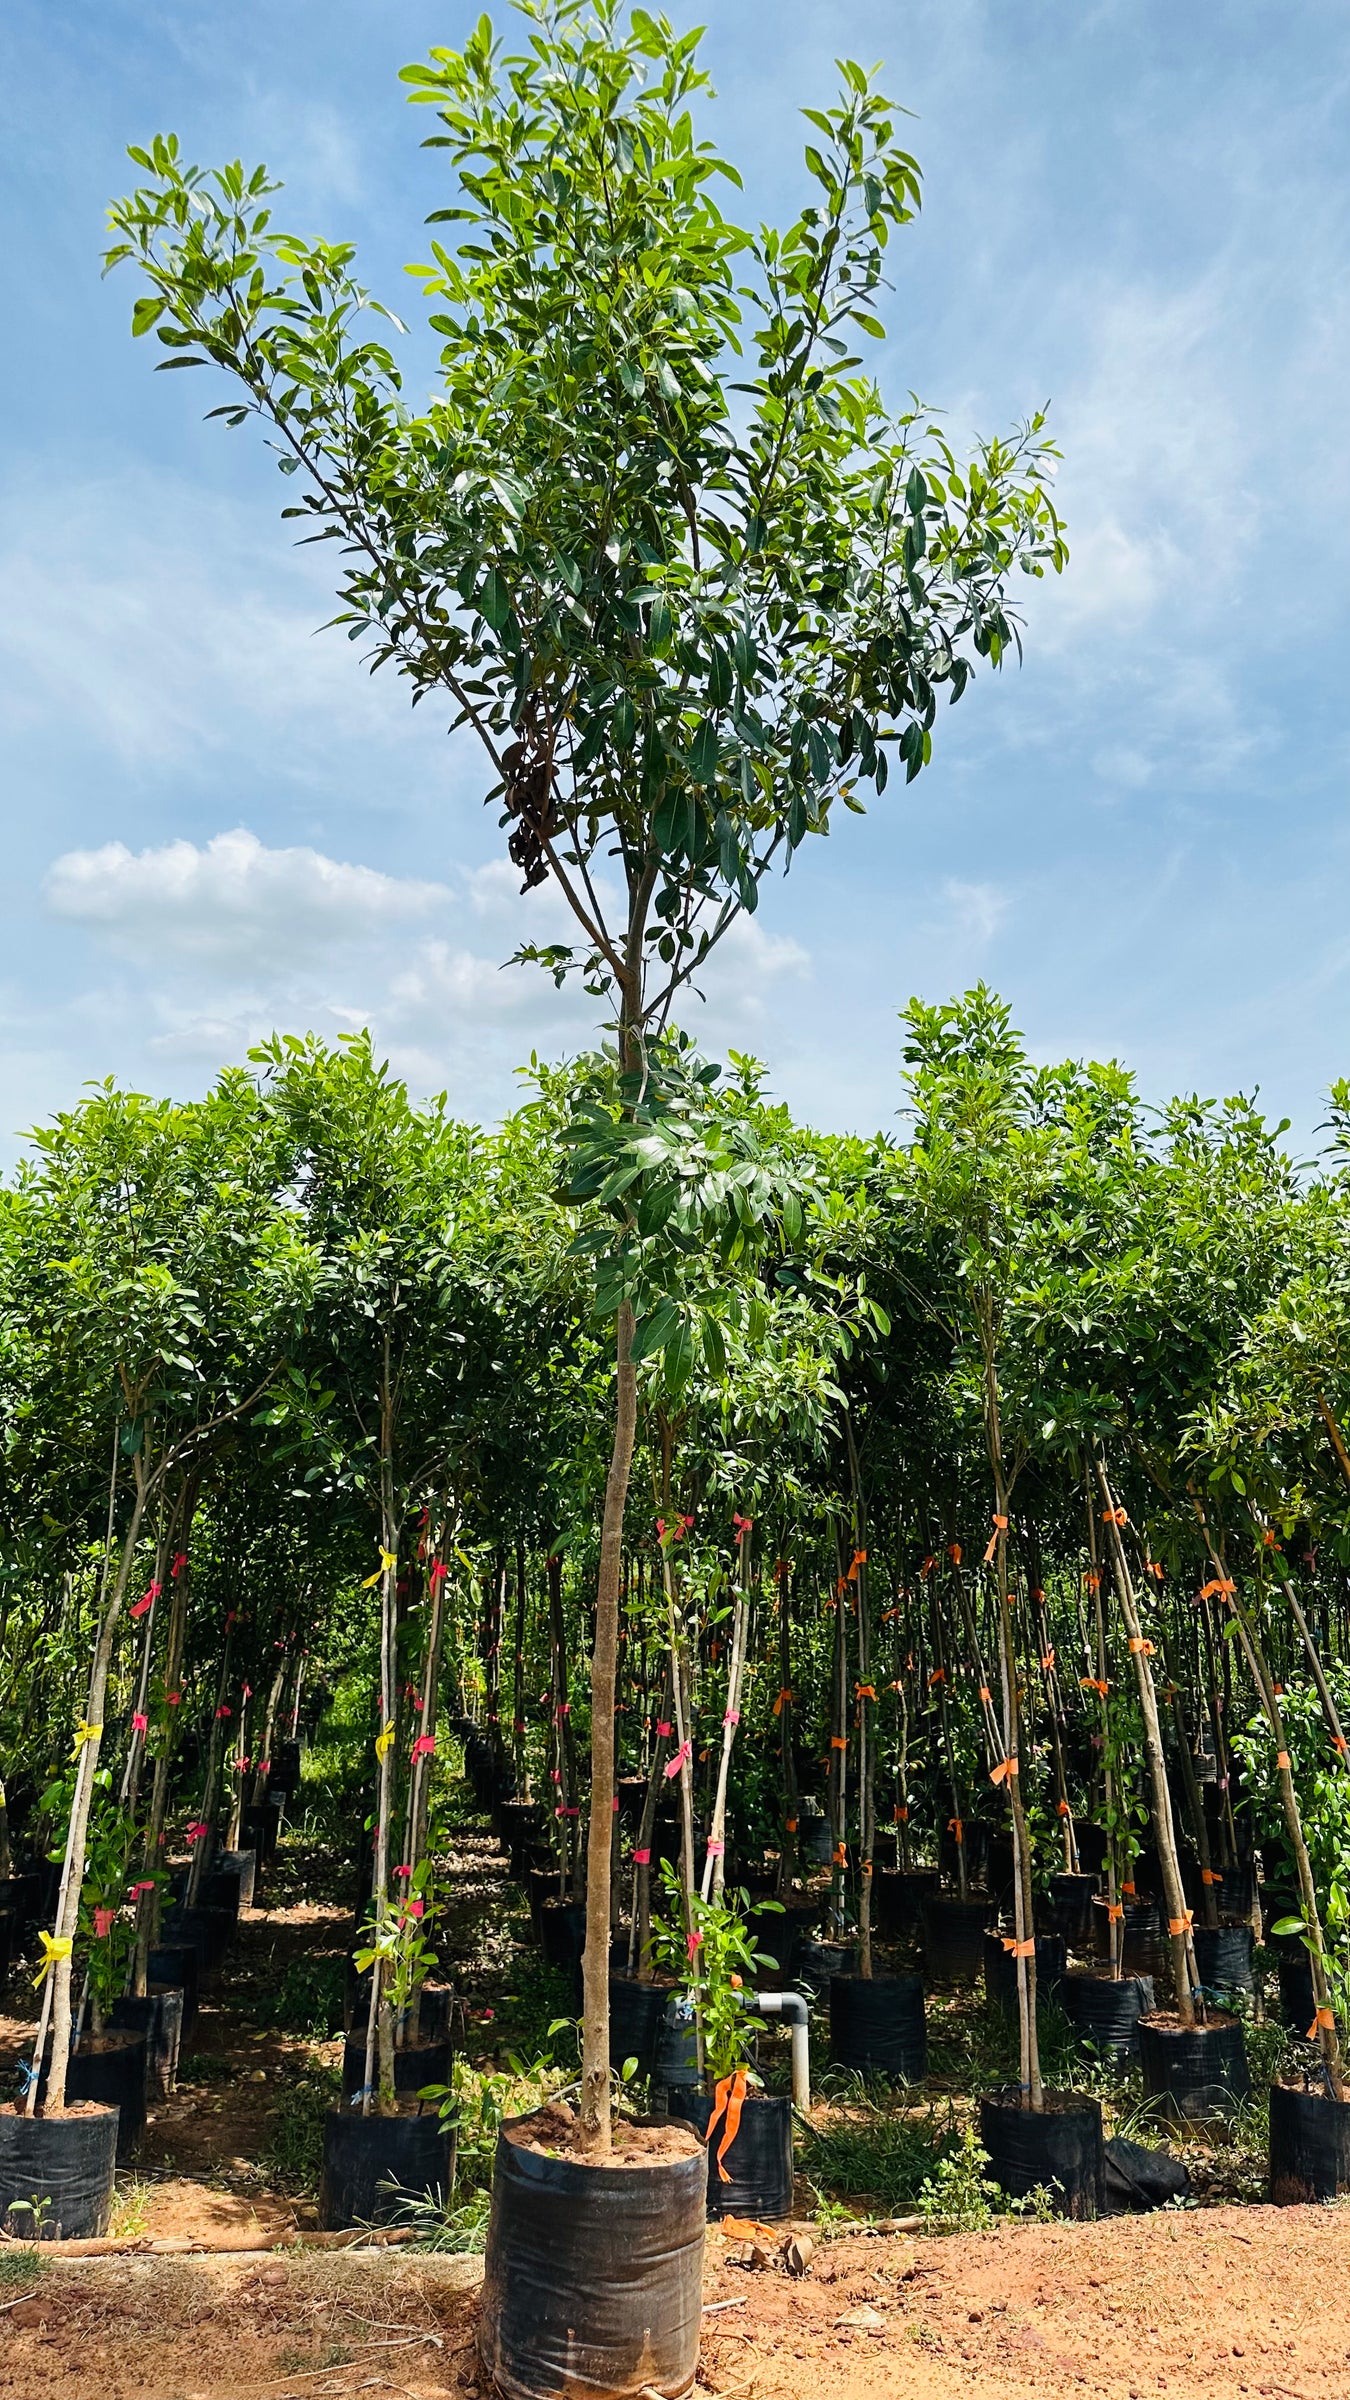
(1184, 1974)
(595, 2126)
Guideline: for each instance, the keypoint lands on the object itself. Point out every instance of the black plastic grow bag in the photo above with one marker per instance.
(1059, 2147)
(877, 2026)
(1194, 2072)
(56, 2175)
(1309, 2146)
(593, 2279)
(373, 2166)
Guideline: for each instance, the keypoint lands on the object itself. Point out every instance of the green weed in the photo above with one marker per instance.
(20, 2266)
(294, 2153)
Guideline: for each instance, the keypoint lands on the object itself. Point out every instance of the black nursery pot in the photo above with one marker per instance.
(675, 2065)
(1145, 1951)
(159, 2016)
(1298, 2008)
(1197, 2072)
(593, 2279)
(562, 1932)
(953, 1936)
(758, 2161)
(1067, 1908)
(66, 2163)
(975, 1845)
(1223, 1957)
(175, 1963)
(416, 2065)
(898, 1897)
(206, 1930)
(636, 2015)
(242, 1865)
(1309, 2146)
(372, 2166)
(110, 2068)
(1059, 2146)
(260, 1832)
(1000, 1969)
(877, 2026)
(1105, 2015)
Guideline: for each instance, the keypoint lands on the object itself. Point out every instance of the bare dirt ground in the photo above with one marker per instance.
(1199, 2306)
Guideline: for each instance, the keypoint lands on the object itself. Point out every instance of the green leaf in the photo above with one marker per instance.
(147, 312)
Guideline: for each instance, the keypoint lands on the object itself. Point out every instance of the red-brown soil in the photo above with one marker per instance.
(1199, 2306)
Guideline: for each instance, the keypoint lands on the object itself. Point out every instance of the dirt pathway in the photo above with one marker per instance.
(1199, 2306)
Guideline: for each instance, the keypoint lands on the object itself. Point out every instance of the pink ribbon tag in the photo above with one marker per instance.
(180, 1561)
(424, 1746)
(642, 1858)
(663, 1729)
(673, 1765)
(140, 1723)
(104, 1921)
(732, 1717)
(717, 1849)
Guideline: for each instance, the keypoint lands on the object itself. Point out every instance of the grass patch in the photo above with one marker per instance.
(20, 2267)
(204, 2066)
(308, 1999)
(293, 2155)
(130, 2210)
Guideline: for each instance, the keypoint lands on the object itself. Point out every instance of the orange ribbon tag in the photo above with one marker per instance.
(1131, 1889)
(1207, 1875)
(1282, 1759)
(1324, 2016)
(841, 1855)
(865, 1691)
(1115, 1913)
(1000, 1526)
(956, 1829)
(744, 2229)
(781, 1702)
(900, 1816)
(954, 1553)
(1217, 1583)
(1016, 1949)
(1062, 1808)
(728, 2101)
(1093, 1580)
(1114, 1516)
(1048, 1660)
(839, 1741)
(1181, 1924)
(859, 1560)
(1139, 1648)
(1093, 1683)
(1006, 1767)
(986, 1694)
(939, 1675)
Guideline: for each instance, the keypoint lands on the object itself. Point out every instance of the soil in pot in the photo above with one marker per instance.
(415, 2066)
(1104, 2014)
(1193, 2073)
(877, 2026)
(1000, 1969)
(373, 2166)
(953, 1936)
(593, 2279)
(1058, 2146)
(1309, 2145)
(56, 2173)
(758, 2158)
(1223, 1956)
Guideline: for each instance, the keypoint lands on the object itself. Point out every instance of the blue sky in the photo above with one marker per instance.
(216, 825)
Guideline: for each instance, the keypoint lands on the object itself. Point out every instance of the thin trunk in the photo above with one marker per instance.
(595, 2118)
(1184, 1974)
(714, 1866)
(787, 1857)
(866, 1696)
(57, 1982)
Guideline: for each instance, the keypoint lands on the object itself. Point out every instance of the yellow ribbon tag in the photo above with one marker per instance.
(384, 1742)
(54, 1947)
(388, 1562)
(85, 1732)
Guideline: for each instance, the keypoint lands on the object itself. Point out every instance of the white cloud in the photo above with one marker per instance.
(232, 940)
(976, 910)
(232, 900)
